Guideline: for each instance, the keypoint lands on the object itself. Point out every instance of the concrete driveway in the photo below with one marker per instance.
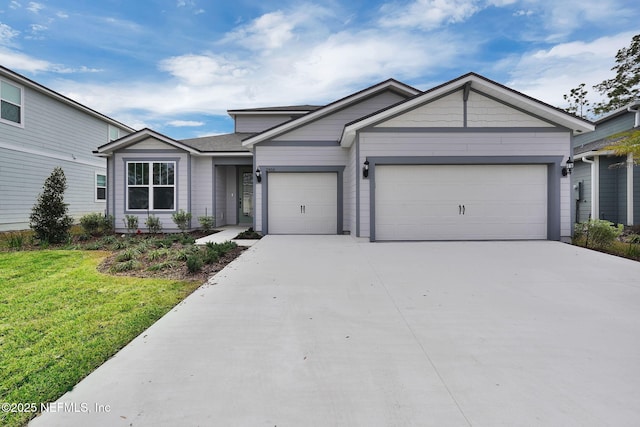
(331, 331)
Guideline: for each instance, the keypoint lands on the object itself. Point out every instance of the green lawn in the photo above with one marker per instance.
(60, 319)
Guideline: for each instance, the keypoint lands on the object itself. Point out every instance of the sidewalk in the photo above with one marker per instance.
(225, 234)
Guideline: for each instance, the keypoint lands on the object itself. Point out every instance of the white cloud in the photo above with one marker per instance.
(202, 70)
(523, 12)
(35, 7)
(550, 73)
(22, 62)
(62, 15)
(185, 123)
(14, 4)
(7, 34)
(427, 14)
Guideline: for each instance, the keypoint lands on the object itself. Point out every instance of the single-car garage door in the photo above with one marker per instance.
(460, 202)
(303, 203)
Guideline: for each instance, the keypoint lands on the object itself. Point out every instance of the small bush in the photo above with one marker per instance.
(109, 240)
(211, 256)
(194, 263)
(163, 266)
(597, 233)
(184, 253)
(15, 241)
(128, 255)
(125, 266)
(157, 254)
(130, 223)
(94, 246)
(206, 223)
(154, 224)
(182, 220)
(187, 240)
(249, 234)
(108, 224)
(91, 224)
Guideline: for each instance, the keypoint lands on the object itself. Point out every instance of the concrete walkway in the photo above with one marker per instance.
(227, 233)
(330, 331)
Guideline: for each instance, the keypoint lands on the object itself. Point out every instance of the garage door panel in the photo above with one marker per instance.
(302, 203)
(419, 202)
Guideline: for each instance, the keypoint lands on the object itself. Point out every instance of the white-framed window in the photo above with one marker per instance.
(11, 99)
(101, 187)
(114, 133)
(151, 186)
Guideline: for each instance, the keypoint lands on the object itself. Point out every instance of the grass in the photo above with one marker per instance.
(60, 319)
(629, 250)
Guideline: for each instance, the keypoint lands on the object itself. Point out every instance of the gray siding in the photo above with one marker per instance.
(582, 174)
(613, 194)
(201, 189)
(259, 122)
(221, 198)
(183, 165)
(465, 144)
(606, 129)
(330, 128)
(54, 134)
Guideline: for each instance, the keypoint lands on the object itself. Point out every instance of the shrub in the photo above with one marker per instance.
(49, 217)
(91, 223)
(206, 223)
(128, 255)
(15, 240)
(194, 263)
(182, 220)
(125, 266)
(131, 223)
(163, 266)
(107, 224)
(597, 233)
(249, 234)
(153, 224)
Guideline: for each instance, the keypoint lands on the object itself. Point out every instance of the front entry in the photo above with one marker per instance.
(245, 193)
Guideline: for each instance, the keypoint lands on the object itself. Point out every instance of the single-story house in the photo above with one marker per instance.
(39, 130)
(607, 186)
(470, 159)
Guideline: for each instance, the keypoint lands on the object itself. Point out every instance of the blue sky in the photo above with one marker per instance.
(177, 66)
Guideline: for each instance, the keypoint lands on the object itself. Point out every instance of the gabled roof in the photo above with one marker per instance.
(139, 136)
(230, 142)
(482, 84)
(390, 84)
(59, 97)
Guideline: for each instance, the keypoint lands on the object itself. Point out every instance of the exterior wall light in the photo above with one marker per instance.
(568, 167)
(365, 169)
(258, 175)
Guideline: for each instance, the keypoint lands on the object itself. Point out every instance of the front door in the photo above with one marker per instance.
(245, 192)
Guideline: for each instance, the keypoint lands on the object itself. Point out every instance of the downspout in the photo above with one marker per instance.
(595, 185)
(630, 108)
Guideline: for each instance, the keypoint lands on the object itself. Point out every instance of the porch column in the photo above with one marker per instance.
(630, 189)
(595, 188)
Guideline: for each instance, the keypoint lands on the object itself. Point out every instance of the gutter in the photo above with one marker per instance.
(630, 108)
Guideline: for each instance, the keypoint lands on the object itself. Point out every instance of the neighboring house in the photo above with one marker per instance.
(467, 160)
(39, 130)
(607, 186)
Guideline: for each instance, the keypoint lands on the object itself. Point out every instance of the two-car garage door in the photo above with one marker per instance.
(460, 202)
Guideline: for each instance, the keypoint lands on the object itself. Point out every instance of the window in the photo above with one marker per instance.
(11, 100)
(101, 187)
(114, 133)
(151, 185)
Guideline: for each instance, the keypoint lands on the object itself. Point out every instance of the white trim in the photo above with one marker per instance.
(66, 158)
(151, 186)
(140, 136)
(595, 185)
(630, 166)
(96, 187)
(22, 101)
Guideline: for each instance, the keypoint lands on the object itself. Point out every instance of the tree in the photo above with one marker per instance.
(49, 217)
(625, 86)
(577, 99)
(625, 143)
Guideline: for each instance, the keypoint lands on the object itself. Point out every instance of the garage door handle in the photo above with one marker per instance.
(459, 209)
(303, 209)
(463, 209)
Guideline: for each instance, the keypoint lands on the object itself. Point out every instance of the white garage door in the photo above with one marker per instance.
(461, 202)
(303, 203)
